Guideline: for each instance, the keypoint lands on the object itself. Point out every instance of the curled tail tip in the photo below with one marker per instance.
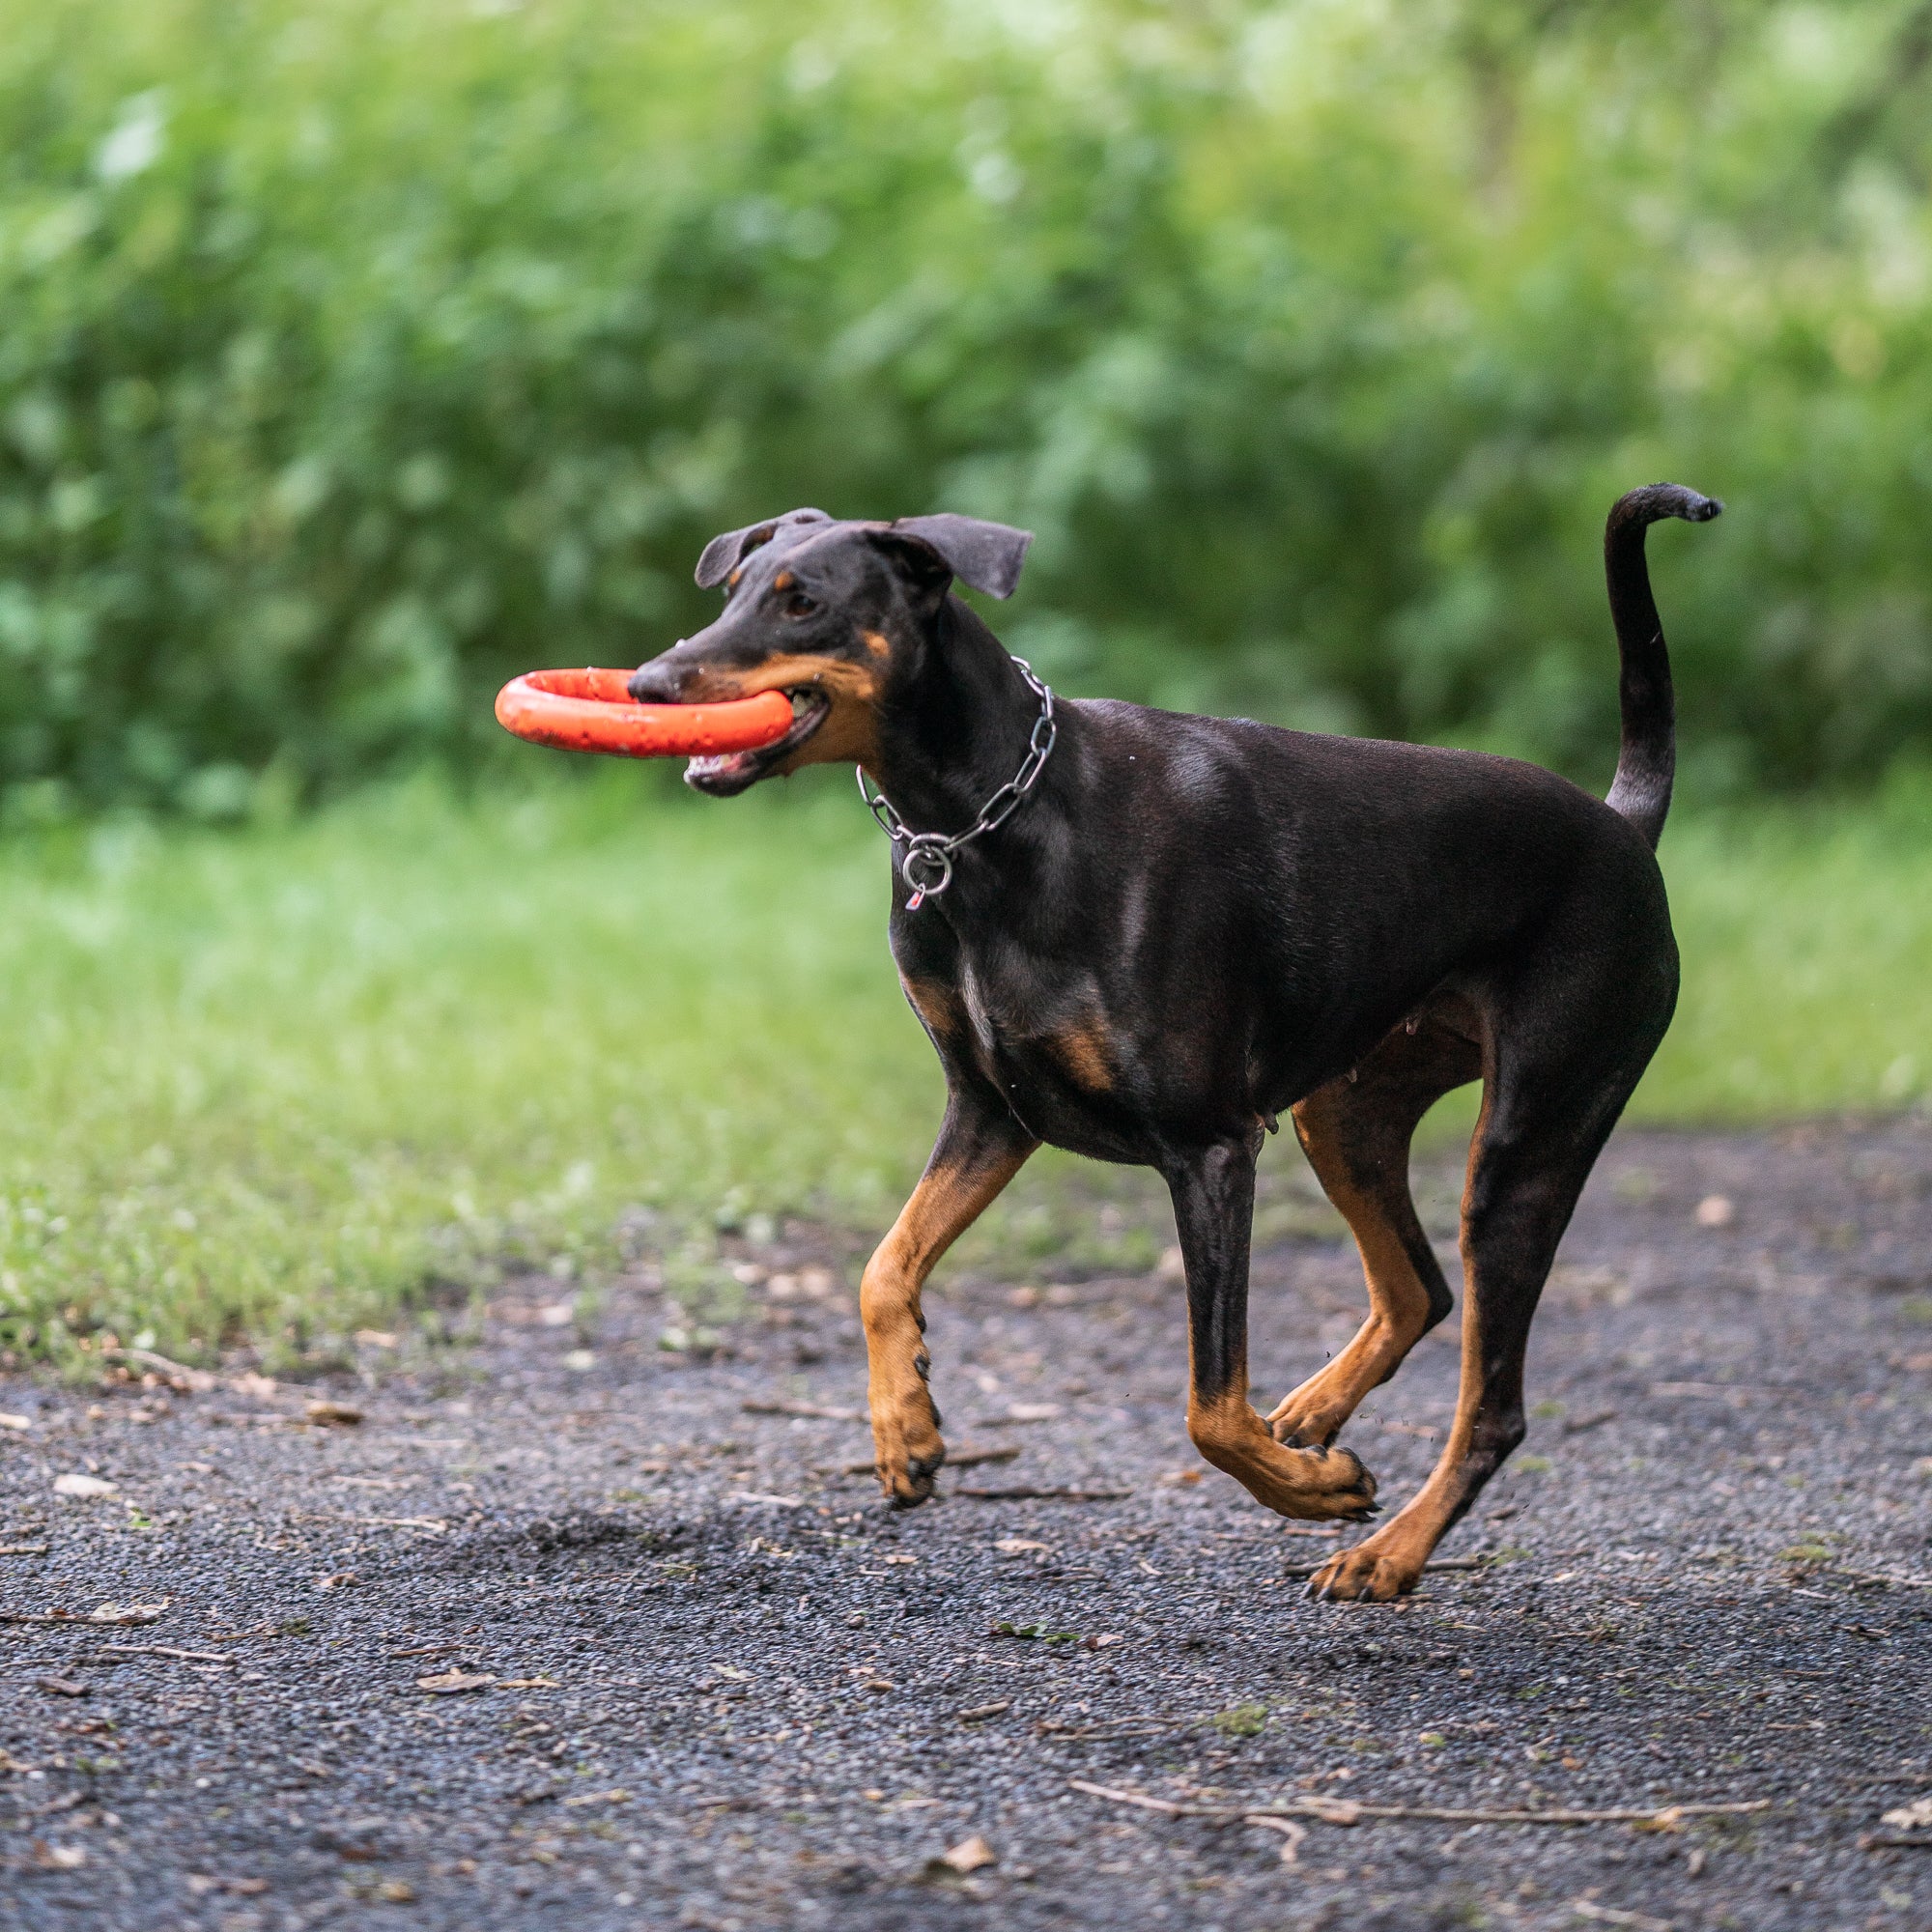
(1654, 501)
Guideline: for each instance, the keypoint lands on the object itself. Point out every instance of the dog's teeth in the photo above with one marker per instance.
(800, 703)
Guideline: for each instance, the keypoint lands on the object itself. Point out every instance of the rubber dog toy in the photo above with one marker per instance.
(592, 711)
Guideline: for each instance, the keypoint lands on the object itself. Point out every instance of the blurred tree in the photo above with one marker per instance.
(354, 355)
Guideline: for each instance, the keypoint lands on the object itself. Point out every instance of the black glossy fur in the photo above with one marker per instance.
(1196, 925)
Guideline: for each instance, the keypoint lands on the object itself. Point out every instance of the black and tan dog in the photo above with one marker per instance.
(1181, 927)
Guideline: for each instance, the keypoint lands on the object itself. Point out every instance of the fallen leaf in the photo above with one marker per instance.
(901, 1559)
(1017, 1546)
(84, 1485)
(619, 1797)
(529, 1684)
(62, 1687)
(127, 1614)
(333, 1414)
(7, 1421)
(446, 1683)
(757, 1496)
(336, 1580)
(396, 1891)
(59, 1858)
(1182, 1478)
(982, 1710)
(1101, 1642)
(967, 1855)
(1910, 1817)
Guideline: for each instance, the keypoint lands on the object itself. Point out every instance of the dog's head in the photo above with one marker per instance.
(835, 614)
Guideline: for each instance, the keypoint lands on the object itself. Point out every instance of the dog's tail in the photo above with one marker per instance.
(1647, 757)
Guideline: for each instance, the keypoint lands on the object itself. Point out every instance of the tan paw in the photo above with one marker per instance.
(1317, 1485)
(1310, 1418)
(1365, 1575)
(908, 1450)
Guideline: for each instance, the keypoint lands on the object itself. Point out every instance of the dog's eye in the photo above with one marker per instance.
(799, 605)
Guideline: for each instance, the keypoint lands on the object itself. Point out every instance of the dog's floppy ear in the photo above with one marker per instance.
(986, 555)
(723, 554)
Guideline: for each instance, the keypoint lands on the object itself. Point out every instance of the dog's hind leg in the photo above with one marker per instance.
(1355, 1134)
(981, 1148)
(1557, 1079)
(1213, 1192)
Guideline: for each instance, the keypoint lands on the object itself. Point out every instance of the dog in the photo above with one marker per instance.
(1144, 936)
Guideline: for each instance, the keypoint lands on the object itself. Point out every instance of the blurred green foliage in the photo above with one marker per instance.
(355, 353)
(271, 1083)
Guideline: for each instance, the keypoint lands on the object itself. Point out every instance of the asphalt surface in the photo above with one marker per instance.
(723, 1689)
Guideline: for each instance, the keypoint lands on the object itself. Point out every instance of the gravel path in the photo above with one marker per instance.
(711, 1684)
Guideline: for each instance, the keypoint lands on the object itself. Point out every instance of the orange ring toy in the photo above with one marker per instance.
(592, 711)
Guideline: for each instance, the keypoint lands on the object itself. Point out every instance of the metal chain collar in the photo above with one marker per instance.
(927, 860)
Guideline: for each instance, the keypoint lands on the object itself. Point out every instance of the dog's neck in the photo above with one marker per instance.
(959, 730)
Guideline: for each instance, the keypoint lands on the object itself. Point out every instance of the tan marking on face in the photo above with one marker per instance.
(1082, 1049)
(784, 581)
(850, 730)
(731, 582)
(876, 641)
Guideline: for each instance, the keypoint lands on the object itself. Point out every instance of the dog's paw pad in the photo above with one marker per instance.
(1361, 1575)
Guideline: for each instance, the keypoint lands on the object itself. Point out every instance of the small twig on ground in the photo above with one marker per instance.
(23, 1548)
(198, 1380)
(113, 1653)
(66, 1803)
(1882, 1577)
(1352, 1810)
(1023, 1492)
(1595, 1419)
(960, 1459)
(1122, 1728)
(1611, 1915)
(434, 1525)
(772, 1405)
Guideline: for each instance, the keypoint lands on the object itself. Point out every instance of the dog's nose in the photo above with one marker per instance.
(656, 683)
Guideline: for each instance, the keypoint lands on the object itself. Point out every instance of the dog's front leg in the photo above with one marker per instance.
(1213, 1209)
(981, 1148)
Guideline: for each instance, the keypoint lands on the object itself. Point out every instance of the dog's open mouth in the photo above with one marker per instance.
(726, 774)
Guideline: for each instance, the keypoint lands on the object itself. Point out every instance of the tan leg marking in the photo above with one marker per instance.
(1082, 1049)
(905, 1425)
(1389, 1563)
(937, 1005)
(1398, 1302)
(1315, 1485)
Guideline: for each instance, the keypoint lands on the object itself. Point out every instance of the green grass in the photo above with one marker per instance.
(276, 1081)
